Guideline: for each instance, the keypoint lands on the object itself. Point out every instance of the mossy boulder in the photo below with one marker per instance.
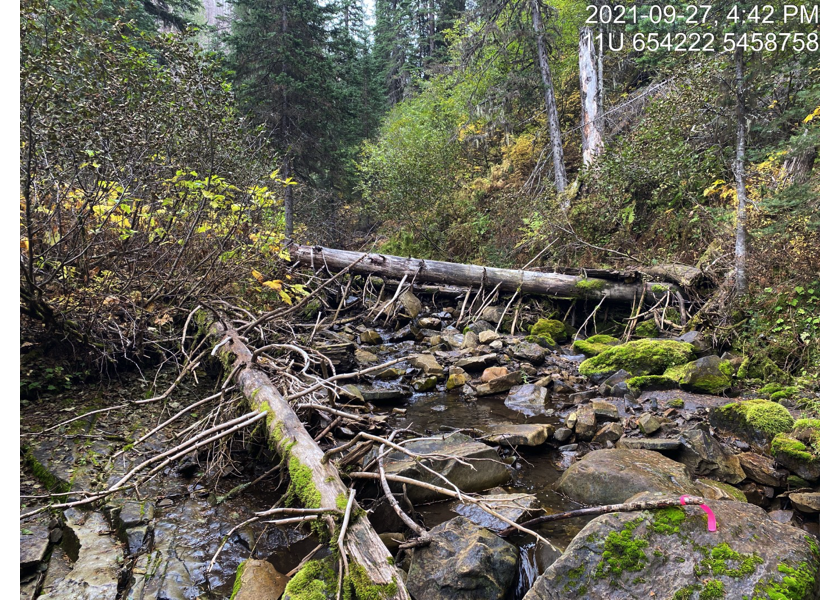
(707, 375)
(763, 369)
(799, 450)
(755, 421)
(652, 382)
(593, 346)
(778, 392)
(669, 553)
(647, 329)
(552, 329)
(640, 357)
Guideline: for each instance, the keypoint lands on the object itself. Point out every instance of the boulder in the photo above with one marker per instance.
(698, 340)
(520, 435)
(640, 357)
(593, 346)
(427, 363)
(655, 444)
(258, 580)
(515, 507)
(762, 469)
(754, 421)
(612, 476)
(707, 375)
(475, 363)
(485, 475)
(799, 450)
(529, 351)
(704, 456)
(528, 399)
(669, 553)
(716, 490)
(463, 560)
(551, 330)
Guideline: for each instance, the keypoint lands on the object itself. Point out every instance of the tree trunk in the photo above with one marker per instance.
(550, 103)
(591, 126)
(508, 280)
(303, 456)
(740, 183)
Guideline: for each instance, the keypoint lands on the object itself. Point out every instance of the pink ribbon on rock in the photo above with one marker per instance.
(711, 516)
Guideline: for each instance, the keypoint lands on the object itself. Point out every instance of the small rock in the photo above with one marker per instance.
(456, 380)
(571, 420)
(608, 433)
(470, 340)
(520, 435)
(427, 363)
(485, 337)
(806, 502)
(392, 541)
(579, 397)
(586, 425)
(259, 580)
(429, 323)
(605, 411)
(649, 424)
(33, 546)
(655, 444)
(704, 456)
(492, 313)
(500, 384)
(474, 363)
(762, 469)
(480, 327)
(528, 351)
(363, 357)
(562, 434)
(492, 373)
(497, 345)
(527, 399)
(424, 384)
(411, 304)
(370, 337)
(568, 448)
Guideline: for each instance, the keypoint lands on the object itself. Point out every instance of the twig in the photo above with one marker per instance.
(346, 568)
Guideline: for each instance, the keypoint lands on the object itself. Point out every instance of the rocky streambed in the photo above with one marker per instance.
(533, 424)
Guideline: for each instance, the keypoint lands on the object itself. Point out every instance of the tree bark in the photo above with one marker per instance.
(508, 280)
(740, 183)
(591, 125)
(292, 441)
(550, 103)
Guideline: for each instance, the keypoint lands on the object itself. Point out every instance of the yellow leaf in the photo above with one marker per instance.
(258, 276)
(274, 284)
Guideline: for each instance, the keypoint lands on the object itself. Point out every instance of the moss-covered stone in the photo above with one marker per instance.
(640, 357)
(712, 590)
(593, 346)
(622, 551)
(668, 520)
(762, 368)
(543, 340)
(808, 431)
(647, 329)
(723, 560)
(652, 382)
(550, 328)
(707, 375)
(757, 421)
(317, 580)
(676, 403)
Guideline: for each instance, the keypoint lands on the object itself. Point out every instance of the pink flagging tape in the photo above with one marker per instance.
(711, 516)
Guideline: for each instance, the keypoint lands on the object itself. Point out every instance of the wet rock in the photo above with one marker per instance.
(586, 424)
(654, 444)
(365, 358)
(530, 352)
(671, 554)
(806, 502)
(528, 399)
(487, 473)
(424, 384)
(501, 384)
(95, 572)
(475, 363)
(370, 337)
(33, 547)
(456, 380)
(612, 476)
(579, 397)
(429, 323)
(704, 456)
(132, 513)
(567, 459)
(136, 538)
(485, 337)
(352, 391)
(492, 373)
(608, 387)
(715, 490)
(480, 327)
(411, 305)
(515, 507)
(389, 374)
(562, 434)
(497, 344)
(258, 580)
(610, 432)
(462, 561)
(374, 394)
(454, 339)
(649, 424)
(762, 469)
(403, 334)
(427, 363)
(520, 435)
(605, 411)
(470, 340)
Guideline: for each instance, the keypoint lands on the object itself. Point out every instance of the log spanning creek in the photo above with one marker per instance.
(399, 449)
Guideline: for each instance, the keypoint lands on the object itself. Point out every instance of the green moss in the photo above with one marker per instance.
(765, 416)
(708, 383)
(726, 368)
(808, 430)
(315, 581)
(365, 589)
(646, 382)
(667, 521)
(591, 285)
(658, 288)
(762, 368)
(784, 444)
(301, 484)
(796, 584)
(593, 346)
(42, 474)
(647, 329)
(622, 551)
(676, 403)
(640, 357)
(686, 593)
(543, 340)
(712, 590)
(723, 560)
(237, 583)
(550, 328)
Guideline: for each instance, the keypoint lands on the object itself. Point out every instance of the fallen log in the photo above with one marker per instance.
(315, 485)
(683, 275)
(507, 280)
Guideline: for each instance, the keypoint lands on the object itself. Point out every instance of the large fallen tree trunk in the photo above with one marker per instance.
(314, 484)
(508, 280)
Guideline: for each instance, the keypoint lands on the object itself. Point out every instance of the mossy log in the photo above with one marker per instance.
(456, 274)
(315, 485)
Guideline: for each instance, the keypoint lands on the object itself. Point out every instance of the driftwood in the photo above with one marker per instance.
(316, 481)
(505, 280)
